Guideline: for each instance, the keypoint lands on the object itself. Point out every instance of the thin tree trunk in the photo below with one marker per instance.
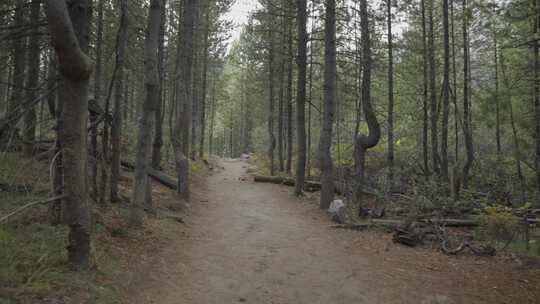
(116, 128)
(390, 96)
(29, 134)
(212, 116)
(496, 97)
(281, 155)
(433, 92)
(271, 105)
(19, 66)
(425, 126)
(466, 105)
(69, 35)
(454, 84)
(301, 96)
(141, 191)
(98, 99)
(204, 83)
(290, 99)
(158, 120)
(330, 81)
(446, 93)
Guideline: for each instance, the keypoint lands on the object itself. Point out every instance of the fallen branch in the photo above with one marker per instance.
(21, 209)
(309, 186)
(158, 176)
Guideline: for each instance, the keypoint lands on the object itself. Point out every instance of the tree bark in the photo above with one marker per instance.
(184, 118)
(390, 95)
(290, 58)
(445, 93)
(116, 128)
(271, 101)
(97, 97)
(433, 91)
(365, 142)
(158, 120)
(330, 81)
(29, 133)
(425, 120)
(536, 88)
(69, 35)
(141, 193)
(467, 130)
(301, 96)
(204, 82)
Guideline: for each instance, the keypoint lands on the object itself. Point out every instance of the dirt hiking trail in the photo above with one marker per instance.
(247, 242)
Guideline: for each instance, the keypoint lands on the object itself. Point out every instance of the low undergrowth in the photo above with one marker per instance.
(33, 258)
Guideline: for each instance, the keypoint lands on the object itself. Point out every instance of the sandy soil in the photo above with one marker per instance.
(255, 243)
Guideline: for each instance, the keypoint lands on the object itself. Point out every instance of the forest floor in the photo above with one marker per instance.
(242, 242)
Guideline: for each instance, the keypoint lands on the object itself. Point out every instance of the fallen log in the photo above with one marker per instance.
(156, 175)
(310, 186)
(163, 178)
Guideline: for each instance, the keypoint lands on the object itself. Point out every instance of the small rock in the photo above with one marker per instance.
(338, 211)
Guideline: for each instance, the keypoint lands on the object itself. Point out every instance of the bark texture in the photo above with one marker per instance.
(141, 191)
(325, 155)
(69, 35)
(301, 6)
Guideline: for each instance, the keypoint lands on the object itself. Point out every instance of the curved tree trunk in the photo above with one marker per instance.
(365, 142)
(69, 35)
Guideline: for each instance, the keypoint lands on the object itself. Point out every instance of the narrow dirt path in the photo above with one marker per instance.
(255, 243)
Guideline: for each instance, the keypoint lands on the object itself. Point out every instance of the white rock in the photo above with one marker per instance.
(335, 206)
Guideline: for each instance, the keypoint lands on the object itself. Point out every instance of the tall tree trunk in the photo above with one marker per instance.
(97, 97)
(116, 128)
(496, 97)
(390, 95)
(184, 119)
(29, 134)
(19, 65)
(271, 101)
(467, 130)
(365, 142)
(281, 156)
(425, 120)
(204, 82)
(536, 87)
(290, 58)
(301, 6)
(69, 34)
(212, 116)
(141, 191)
(158, 120)
(454, 85)
(330, 81)
(446, 93)
(433, 91)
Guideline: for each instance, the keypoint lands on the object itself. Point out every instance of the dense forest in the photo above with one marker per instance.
(409, 112)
